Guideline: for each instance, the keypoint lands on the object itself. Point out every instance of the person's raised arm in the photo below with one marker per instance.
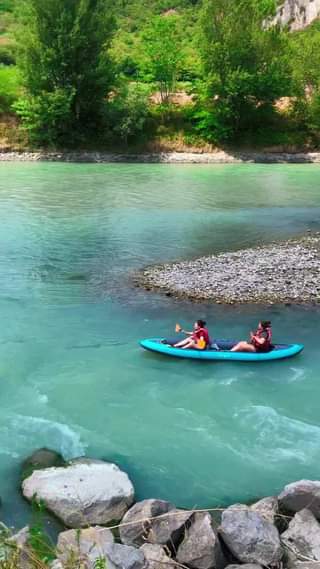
(179, 329)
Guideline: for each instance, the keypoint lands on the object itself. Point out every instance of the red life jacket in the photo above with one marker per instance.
(202, 332)
(265, 333)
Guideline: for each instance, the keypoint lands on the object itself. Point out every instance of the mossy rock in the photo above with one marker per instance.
(41, 458)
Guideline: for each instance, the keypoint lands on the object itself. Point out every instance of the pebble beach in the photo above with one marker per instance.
(287, 272)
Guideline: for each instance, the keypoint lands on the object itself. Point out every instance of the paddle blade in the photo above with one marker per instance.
(201, 344)
(178, 328)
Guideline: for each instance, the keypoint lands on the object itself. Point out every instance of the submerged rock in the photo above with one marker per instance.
(41, 458)
(147, 521)
(249, 536)
(201, 547)
(302, 538)
(302, 494)
(87, 492)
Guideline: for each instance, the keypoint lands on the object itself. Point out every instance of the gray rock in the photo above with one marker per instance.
(268, 508)
(142, 524)
(245, 566)
(170, 530)
(20, 539)
(124, 557)
(87, 492)
(297, 14)
(201, 547)
(249, 536)
(305, 565)
(85, 545)
(42, 458)
(136, 524)
(302, 538)
(300, 495)
(156, 557)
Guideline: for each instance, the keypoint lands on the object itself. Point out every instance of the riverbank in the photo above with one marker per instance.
(285, 272)
(103, 525)
(219, 157)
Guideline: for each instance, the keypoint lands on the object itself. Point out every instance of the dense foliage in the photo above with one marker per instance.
(98, 73)
(66, 70)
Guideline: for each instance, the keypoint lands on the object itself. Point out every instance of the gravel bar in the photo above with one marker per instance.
(219, 157)
(287, 272)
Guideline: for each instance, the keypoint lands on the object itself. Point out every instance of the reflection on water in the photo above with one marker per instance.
(72, 375)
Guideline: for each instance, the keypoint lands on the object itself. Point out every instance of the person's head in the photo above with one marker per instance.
(199, 324)
(264, 324)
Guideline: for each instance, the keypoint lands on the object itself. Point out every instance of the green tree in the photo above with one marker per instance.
(163, 53)
(305, 68)
(66, 70)
(244, 64)
(129, 111)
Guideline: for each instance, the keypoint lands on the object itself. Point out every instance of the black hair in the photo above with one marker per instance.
(265, 323)
(201, 323)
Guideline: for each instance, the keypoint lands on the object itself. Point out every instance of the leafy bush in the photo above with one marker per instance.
(128, 111)
(47, 116)
(9, 87)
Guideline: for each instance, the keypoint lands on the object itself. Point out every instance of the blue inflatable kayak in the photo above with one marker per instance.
(278, 352)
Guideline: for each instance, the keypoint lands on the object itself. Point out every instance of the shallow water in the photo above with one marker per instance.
(72, 375)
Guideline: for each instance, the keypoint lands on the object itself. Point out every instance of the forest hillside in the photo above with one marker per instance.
(159, 74)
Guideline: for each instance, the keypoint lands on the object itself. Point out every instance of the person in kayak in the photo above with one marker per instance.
(198, 339)
(260, 340)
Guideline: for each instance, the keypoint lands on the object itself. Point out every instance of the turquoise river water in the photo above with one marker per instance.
(72, 376)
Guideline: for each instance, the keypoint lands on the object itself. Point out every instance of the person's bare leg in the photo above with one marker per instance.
(181, 343)
(190, 345)
(243, 347)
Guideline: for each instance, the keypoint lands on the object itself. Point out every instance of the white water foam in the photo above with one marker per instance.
(298, 374)
(35, 432)
(278, 437)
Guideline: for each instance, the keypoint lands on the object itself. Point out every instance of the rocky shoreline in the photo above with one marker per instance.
(88, 495)
(219, 157)
(287, 272)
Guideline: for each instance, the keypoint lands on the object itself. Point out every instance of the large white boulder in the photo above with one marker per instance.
(87, 492)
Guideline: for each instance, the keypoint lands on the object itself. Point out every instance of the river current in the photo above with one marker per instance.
(72, 376)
